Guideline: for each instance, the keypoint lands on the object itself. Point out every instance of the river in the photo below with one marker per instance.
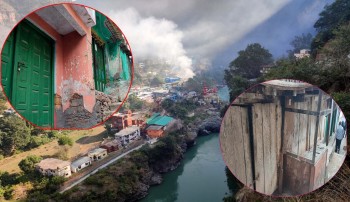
(224, 94)
(200, 176)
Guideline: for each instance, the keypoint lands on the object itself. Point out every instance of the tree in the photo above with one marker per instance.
(250, 61)
(65, 140)
(333, 16)
(135, 103)
(300, 42)
(27, 165)
(236, 85)
(14, 134)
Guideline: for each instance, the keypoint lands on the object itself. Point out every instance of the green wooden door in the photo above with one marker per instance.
(7, 64)
(32, 75)
(99, 66)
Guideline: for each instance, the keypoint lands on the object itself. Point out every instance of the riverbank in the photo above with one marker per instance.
(130, 178)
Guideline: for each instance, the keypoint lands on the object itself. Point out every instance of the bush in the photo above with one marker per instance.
(27, 165)
(8, 194)
(65, 140)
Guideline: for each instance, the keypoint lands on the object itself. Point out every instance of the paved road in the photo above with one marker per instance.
(101, 167)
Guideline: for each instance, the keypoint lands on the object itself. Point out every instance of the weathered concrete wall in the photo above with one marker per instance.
(301, 176)
(77, 116)
(296, 175)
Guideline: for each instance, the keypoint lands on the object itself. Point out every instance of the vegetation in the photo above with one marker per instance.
(27, 165)
(120, 181)
(328, 69)
(65, 140)
(246, 66)
(178, 109)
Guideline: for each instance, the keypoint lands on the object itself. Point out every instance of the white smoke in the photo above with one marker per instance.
(153, 38)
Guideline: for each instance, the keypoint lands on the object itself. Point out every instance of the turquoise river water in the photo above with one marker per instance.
(200, 176)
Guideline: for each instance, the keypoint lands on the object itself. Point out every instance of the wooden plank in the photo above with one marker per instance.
(288, 131)
(258, 147)
(273, 143)
(303, 133)
(239, 150)
(267, 148)
(246, 147)
(227, 139)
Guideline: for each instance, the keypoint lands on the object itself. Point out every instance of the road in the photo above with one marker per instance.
(100, 167)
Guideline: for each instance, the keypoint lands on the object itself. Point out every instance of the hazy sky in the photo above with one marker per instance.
(207, 30)
(212, 32)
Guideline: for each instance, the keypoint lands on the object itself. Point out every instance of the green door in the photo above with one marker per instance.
(99, 66)
(7, 64)
(32, 75)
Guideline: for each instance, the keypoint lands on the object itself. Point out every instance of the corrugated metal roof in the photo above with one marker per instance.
(159, 120)
(80, 161)
(152, 117)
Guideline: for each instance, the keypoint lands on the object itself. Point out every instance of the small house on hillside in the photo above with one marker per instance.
(157, 125)
(124, 120)
(110, 145)
(128, 135)
(54, 167)
(97, 154)
(80, 164)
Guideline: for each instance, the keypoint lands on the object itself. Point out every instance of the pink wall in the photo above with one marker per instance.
(73, 61)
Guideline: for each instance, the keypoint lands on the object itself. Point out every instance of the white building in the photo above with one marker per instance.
(97, 154)
(54, 167)
(80, 164)
(303, 53)
(128, 135)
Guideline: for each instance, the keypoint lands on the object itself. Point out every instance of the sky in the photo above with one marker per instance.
(209, 32)
(206, 33)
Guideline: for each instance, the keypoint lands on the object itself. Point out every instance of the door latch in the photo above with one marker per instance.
(19, 65)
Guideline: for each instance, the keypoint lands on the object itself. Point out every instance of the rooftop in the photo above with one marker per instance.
(80, 161)
(156, 119)
(154, 127)
(52, 163)
(97, 151)
(127, 131)
(110, 143)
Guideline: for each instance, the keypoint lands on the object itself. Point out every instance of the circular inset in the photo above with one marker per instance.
(283, 138)
(66, 66)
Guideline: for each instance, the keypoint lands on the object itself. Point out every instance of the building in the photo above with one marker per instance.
(80, 164)
(303, 53)
(124, 120)
(283, 135)
(60, 65)
(157, 125)
(155, 131)
(128, 135)
(110, 145)
(97, 154)
(54, 167)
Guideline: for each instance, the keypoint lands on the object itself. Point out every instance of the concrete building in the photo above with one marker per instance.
(303, 53)
(54, 167)
(97, 154)
(128, 135)
(110, 145)
(80, 164)
(124, 120)
(157, 125)
(279, 137)
(61, 64)
(155, 131)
